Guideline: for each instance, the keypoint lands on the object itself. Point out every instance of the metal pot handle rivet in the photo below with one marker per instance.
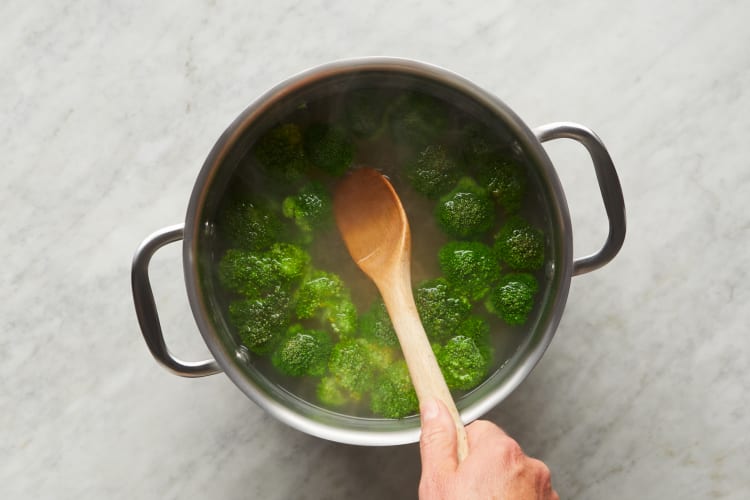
(145, 307)
(609, 185)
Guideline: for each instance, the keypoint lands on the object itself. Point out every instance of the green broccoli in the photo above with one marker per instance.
(513, 298)
(248, 273)
(248, 225)
(290, 261)
(440, 308)
(470, 267)
(417, 119)
(505, 179)
(329, 148)
(342, 317)
(477, 329)
(281, 151)
(319, 290)
(478, 144)
(497, 169)
(255, 273)
(352, 364)
(462, 363)
(323, 294)
(381, 357)
(433, 171)
(394, 395)
(303, 352)
(376, 326)
(466, 211)
(364, 113)
(310, 209)
(261, 322)
(331, 393)
(520, 245)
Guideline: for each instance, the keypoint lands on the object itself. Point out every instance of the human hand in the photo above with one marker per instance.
(495, 468)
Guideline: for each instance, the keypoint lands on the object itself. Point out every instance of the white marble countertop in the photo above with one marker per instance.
(107, 111)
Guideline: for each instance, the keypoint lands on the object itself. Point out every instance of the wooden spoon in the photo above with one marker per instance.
(373, 224)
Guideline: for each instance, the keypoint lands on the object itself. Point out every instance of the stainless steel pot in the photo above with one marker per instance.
(196, 232)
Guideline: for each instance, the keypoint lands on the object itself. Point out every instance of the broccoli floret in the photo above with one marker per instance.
(352, 364)
(331, 393)
(440, 308)
(470, 267)
(381, 356)
(329, 148)
(478, 144)
(245, 272)
(376, 325)
(343, 317)
(309, 209)
(433, 172)
(261, 322)
(303, 352)
(477, 329)
(394, 395)
(255, 273)
(281, 151)
(462, 363)
(319, 290)
(497, 169)
(513, 298)
(322, 294)
(505, 180)
(290, 261)
(364, 113)
(417, 119)
(466, 211)
(248, 225)
(520, 245)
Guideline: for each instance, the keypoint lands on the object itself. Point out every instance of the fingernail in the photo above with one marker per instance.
(429, 410)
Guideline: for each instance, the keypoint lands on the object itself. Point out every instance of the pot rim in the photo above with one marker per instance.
(194, 229)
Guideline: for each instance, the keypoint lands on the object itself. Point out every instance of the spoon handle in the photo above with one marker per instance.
(423, 367)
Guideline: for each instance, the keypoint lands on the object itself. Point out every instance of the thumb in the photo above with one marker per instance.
(437, 444)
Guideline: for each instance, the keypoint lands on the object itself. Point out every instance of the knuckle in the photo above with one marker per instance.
(543, 472)
(512, 451)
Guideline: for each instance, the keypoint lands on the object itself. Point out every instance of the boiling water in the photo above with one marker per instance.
(329, 252)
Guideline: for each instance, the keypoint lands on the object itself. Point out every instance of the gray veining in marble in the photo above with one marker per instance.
(107, 110)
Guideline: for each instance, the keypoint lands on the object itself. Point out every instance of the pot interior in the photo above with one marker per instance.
(330, 95)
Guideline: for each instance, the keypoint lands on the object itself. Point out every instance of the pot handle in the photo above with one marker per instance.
(609, 185)
(145, 307)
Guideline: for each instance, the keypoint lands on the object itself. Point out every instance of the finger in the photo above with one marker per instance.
(437, 443)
